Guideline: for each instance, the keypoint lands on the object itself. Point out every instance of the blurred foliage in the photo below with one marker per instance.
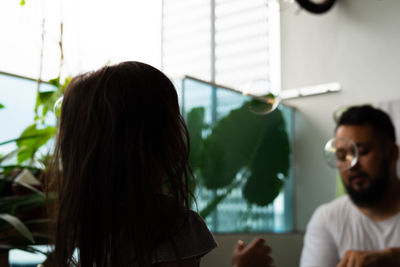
(22, 215)
(29, 146)
(23, 218)
(32, 153)
(255, 147)
(195, 124)
(44, 126)
(45, 100)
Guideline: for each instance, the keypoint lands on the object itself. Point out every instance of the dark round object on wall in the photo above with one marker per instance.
(316, 8)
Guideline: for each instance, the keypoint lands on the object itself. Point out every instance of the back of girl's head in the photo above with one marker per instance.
(121, 140)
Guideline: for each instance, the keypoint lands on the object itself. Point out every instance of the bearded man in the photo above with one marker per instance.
(361, 228)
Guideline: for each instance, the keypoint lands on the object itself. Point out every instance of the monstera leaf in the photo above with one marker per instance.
(195, 124)
(258, 144)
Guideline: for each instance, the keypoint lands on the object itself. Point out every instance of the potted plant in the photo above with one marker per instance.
(254, 146)
(23, 218)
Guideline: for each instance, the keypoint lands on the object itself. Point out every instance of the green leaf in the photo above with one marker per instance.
(60, 86)
(269, 162)
(65, 84)
(28, 147)
(55, 82)
(195, 124)
(23, 247)
(6, 171)
(261, 191)
(257, 143)
(22, 138)
(46, 99)
(8, 155)
(228, 148)
(13, 204)
(18, 225)
(1, 106)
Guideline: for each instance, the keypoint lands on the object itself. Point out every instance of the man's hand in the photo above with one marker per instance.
(256, 254)
(379, 258)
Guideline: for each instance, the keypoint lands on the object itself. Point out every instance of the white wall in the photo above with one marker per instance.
(357, 44)
(286, 249)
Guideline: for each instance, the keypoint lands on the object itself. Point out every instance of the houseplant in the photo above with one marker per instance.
(241, 150)
(23, 219)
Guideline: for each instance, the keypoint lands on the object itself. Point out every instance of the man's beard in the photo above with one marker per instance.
(370, 196)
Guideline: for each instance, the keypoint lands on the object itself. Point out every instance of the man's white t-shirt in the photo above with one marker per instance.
(339, 226)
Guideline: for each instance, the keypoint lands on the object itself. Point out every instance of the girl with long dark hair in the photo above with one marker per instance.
(121, 172)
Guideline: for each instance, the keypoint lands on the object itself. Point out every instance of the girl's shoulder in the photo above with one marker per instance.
(193, 239)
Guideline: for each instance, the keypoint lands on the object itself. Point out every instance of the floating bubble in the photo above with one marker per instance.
(265, 97)
(57, 107)
(341, 153)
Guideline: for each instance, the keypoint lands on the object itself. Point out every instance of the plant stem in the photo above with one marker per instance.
(60, 44)
(39, 80)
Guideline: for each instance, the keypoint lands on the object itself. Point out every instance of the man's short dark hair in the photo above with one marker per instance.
(368, 115)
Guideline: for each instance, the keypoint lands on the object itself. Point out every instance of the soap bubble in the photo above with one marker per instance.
(265, 97)
(57, 107)
(341, 153)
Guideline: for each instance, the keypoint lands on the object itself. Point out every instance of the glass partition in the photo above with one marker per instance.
(242, 161)
(18, 95)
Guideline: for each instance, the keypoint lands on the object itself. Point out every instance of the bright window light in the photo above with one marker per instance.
(94, 33)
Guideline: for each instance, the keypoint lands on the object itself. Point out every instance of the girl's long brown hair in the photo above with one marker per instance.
(121, 140)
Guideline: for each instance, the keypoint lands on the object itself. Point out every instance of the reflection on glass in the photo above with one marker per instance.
(241, 160)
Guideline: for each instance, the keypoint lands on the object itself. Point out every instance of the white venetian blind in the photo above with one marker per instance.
(186, 38)
(230, 42)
